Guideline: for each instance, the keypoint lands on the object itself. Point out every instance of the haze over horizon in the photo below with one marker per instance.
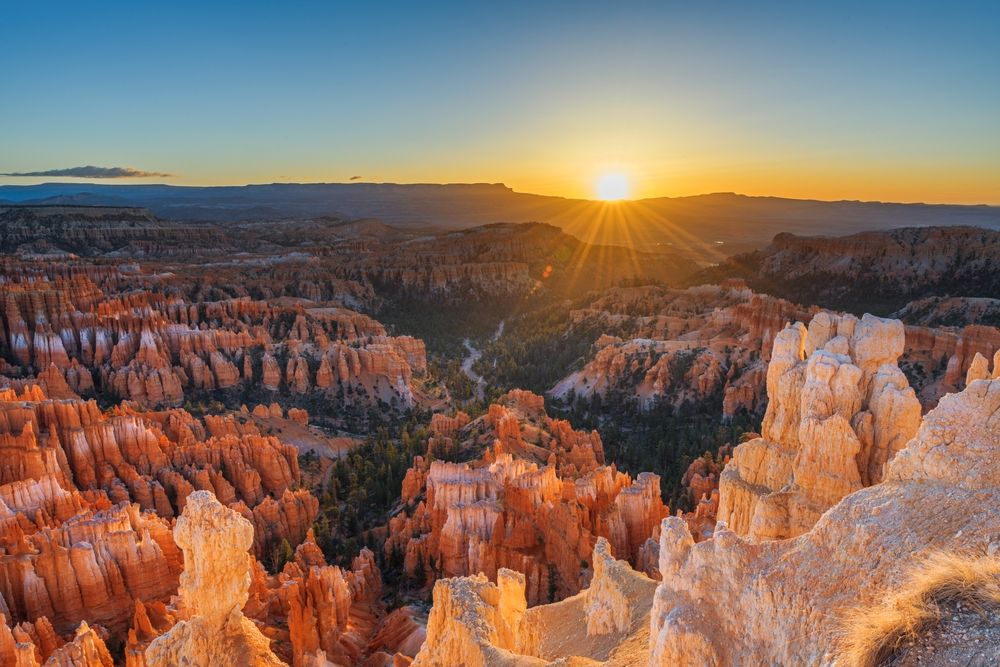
(584, 197)
(889, 103)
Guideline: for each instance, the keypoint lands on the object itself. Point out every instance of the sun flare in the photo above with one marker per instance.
(612, 186)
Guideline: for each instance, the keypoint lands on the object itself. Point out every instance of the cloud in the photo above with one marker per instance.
(356, 178)
(90, 171)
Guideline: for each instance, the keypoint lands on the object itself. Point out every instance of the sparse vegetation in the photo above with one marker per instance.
(872, 635)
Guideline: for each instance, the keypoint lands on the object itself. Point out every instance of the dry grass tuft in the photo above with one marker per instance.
(872, 635)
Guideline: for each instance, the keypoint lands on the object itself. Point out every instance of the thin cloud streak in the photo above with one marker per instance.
(90, 171)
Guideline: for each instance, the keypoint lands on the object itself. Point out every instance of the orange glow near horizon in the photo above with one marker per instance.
(644, 178)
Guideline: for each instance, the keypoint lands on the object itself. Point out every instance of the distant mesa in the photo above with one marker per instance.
(741, 222)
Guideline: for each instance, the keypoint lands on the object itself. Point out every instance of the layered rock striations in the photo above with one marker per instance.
(706, 343)
(875, 269)
(738, 600)
(156, 350)
(478, 623)
(61, 231)
(534, 501)
(86, 500)
(711, 345)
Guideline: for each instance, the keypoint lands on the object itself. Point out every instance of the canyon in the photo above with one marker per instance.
(748, 595)
(713, 342)
(245, 444)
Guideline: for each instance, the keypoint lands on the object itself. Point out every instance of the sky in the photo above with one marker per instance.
(891, 101)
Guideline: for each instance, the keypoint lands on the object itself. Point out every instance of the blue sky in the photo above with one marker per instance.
(900, 101)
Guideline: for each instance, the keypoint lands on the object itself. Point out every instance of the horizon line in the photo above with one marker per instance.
(498, 184)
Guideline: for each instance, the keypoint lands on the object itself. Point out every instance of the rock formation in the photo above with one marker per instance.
(730, 600)
(735, 601)
(710, 345)
(213, 589)
(839, 409)
(873, 268)
(87, 337)
(535, 501)
(477, 623)
(699, 344)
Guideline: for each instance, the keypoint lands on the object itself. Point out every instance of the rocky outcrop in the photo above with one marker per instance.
(709, 345)
(873, 269)
(33, 644)
(213, 589)
(475, 622)
(839, 409)
(143, 346)
(705, 343)
(950, 311)
(330, 610)
(729, 600)
(90, 568)
(309, 612)
(87, 497)
(535, 502)
(701, 481)
(91, 230)
(735, 601)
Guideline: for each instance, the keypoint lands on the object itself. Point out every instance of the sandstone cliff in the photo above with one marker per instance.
(80, 334)
(699, 344)
(709, 345)
(883, 269)
(477, 623)
(730, 600)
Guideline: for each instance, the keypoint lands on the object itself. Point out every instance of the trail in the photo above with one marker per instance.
(473, 356)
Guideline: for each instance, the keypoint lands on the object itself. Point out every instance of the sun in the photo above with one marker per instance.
(612, 186)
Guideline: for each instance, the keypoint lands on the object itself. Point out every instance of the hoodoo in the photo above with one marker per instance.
(213, 589)
(734, 601)
(839, 408)
(841, 411)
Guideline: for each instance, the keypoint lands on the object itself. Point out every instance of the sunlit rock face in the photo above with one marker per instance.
(476, 622)
(213, 589)
(733, 600)
(100, 332)
(309, 612)
(839, 409)
(712, 343)
(535, 501)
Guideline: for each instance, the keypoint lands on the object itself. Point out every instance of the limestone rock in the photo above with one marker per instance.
(606, 604)
(536, 502)
(213, 589)
(839, 409)
(729, 600)
(475, 622)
